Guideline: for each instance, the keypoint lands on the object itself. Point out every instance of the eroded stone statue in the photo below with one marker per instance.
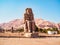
(29, 23)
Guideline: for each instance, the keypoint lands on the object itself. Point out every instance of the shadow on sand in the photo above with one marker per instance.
(30, 37)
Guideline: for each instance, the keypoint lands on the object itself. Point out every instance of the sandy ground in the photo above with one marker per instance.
(29, 41)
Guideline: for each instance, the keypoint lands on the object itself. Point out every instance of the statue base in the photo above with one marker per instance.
(31, 35)
(27, 34)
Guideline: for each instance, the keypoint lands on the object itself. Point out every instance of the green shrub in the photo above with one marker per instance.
(58, 31)
(20, 30)
(40, 30)
(55, 29)
(36, 29)
(44, 30)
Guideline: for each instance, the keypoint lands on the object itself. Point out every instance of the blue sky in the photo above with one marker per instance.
(45, 9)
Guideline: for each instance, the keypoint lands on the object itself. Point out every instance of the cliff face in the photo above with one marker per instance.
(19, 23)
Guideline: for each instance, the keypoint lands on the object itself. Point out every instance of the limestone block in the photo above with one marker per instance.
(27, 34)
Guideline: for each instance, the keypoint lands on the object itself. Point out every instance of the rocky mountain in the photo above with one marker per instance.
(19, 23)
(45, 24)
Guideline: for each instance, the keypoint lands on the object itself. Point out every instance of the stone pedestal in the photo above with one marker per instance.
(27, 35)
(31, 35)
(34, 35)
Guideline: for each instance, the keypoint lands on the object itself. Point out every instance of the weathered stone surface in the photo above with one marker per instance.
(29, 24)
(31, 35)
(34, 35)
(27, 34)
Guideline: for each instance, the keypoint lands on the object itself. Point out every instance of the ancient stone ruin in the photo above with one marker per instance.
(29, 23)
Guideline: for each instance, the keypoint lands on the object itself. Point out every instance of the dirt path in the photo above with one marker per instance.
(29, 41)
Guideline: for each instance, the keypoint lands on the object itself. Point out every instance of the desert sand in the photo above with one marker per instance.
(30, 41)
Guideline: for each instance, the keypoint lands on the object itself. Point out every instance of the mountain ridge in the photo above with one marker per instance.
(19, 23)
